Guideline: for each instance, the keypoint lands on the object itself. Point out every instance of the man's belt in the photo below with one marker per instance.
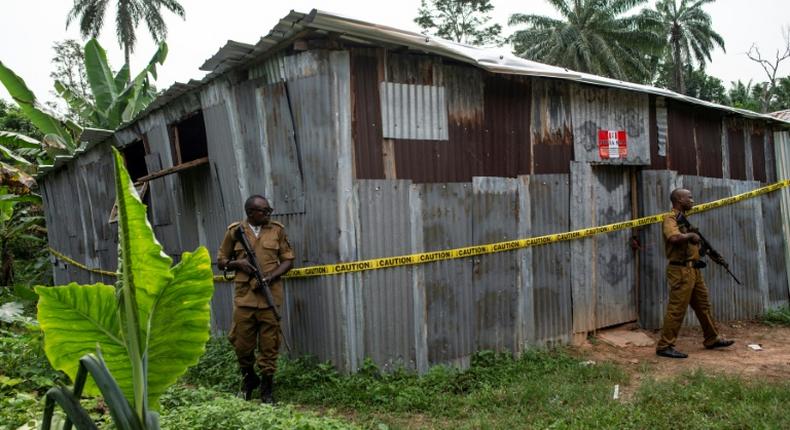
(697, 264)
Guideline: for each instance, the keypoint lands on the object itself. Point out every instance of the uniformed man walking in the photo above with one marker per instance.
(686, 285)
(254, 322)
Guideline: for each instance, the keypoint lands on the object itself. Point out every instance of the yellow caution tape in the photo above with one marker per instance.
(470, 251)
(451, 254)
(76, 263)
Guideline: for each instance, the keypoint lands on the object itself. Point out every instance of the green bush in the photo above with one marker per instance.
(780, 316)
(217, 367)
(206, 409)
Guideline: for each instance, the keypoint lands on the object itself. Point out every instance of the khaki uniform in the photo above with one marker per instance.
(253, 319)
(686, 287)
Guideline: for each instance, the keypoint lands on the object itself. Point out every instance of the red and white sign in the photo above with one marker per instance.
(612, 144)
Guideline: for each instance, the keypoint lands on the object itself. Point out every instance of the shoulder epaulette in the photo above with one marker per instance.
(277, 224)
(234, 225)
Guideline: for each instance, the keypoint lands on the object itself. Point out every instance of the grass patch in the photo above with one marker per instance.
(777, 317)
(540, 389)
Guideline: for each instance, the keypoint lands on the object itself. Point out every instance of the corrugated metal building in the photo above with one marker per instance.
(374, 142)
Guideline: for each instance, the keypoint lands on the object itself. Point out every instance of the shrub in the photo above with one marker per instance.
(780, 316)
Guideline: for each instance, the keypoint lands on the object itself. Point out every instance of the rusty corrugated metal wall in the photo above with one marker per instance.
(303, 122)
(550, 127)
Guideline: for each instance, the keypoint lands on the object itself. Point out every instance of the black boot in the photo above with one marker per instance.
(248, 382)
(267, 386)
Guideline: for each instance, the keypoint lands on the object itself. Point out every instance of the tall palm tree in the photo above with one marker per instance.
(90, 14)
(687, 31)
(594, 36)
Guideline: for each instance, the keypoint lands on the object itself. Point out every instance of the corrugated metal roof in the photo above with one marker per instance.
(784, 115)
(496, 60)
(88, 139)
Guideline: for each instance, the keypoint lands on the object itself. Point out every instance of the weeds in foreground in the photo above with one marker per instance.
(776, 317)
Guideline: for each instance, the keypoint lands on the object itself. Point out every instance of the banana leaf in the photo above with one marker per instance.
(38, 115)
(156, 314)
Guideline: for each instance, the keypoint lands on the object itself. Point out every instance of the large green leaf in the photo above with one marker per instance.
(178, 319)
(18, 140)
(44, 121)
(9, 154)
(100, 76)
(170, 325)
(79, 104)
(140, 93)
(75, 318)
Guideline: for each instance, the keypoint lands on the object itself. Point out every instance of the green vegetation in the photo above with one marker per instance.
(128, 13)
(688, 35)
(592, 36)
(148, 328)
(462, 21)
(207, 409)
(538, 390)
(779, 316)
(542, 389)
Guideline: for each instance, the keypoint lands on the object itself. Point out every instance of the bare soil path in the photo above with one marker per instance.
(770, 363)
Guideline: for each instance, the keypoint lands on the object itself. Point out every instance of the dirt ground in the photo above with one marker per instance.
(771, 363)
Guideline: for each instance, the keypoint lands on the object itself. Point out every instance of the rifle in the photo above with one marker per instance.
(262, 283)
(706, 247)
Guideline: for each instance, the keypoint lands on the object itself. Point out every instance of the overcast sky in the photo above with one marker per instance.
(28, 28)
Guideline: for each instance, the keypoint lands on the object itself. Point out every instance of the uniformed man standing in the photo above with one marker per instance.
(686, 285)
(254, 322)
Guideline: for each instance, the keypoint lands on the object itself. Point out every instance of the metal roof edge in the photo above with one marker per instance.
(495, 60)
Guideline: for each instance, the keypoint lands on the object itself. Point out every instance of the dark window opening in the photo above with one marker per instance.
(188, 139)
(134, 157)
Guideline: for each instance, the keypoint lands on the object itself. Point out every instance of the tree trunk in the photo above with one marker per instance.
(677, 67)
(126, 57)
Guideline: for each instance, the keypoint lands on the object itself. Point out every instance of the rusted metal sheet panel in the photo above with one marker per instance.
(252, 141)
(287, 186)
(729, 229)
(549, 197)
(594, 109)
(222, 160)
(552, 131)
(495, 219)
(681, 151)
(316, 310)
(782, 154)
(458, 159)
(77, 204)
(487, 130)
(737, 152)
(413, 69)
(413, 111)
(323, 309)
(507, 115)
(387, 297)
(614, 278)
(757, 139)
(270, 71)
(658, 133)
(449, 293)
(467, 155)
(770, 157)
(314, 107)
(654, 189)
(367, 114)
(656, 162)
(707, 134)
(774, 249)
(603, 276)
